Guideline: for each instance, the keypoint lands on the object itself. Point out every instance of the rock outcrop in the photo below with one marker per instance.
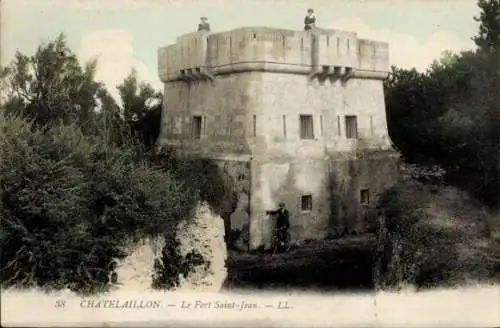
(203, 234)
(135, 272)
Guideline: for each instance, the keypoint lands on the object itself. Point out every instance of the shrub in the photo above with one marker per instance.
(200, 176)
(69, 204)
(412, 250)
(171, 265)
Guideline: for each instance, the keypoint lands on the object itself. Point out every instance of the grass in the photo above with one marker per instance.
(343, 264)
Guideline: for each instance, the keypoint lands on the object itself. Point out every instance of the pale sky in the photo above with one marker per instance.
(127, 33)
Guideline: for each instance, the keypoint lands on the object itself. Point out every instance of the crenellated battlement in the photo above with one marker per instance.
(317, 53)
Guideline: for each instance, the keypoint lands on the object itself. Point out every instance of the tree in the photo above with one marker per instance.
(140, 111)
(51, 86)
(488, 37)
(449, 116)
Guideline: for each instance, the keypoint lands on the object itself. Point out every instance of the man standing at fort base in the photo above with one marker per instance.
(282, 224)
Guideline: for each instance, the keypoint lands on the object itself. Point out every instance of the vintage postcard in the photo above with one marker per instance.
(327, 163)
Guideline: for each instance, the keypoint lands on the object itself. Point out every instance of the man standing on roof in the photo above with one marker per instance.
(309, 20)
(204, 25)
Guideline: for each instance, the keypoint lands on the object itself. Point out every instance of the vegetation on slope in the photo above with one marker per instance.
(434, 236)
(79, 178)
(449, 115)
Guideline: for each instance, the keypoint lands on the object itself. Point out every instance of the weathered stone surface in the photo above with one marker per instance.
(135, 272)
(251, 123)
(205, 235)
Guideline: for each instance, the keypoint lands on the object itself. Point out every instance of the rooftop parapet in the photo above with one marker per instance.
(316, 52)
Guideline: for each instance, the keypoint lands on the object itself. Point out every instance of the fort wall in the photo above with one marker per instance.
(268, 49)
(250, 86)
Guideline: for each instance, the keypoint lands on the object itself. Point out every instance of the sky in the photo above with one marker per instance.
(123, 34)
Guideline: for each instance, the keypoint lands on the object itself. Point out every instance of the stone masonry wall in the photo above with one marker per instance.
(334, 183)
(282, 49)
(257, 87)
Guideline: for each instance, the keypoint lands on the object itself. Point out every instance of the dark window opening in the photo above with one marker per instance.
(364, 196)
(338, 125)
(284, 126)
(321, 124)
(254, 126)
(197, 123)
(241, 177)
(371, 125)
(306, 127)
(306, 203)
(351, 127)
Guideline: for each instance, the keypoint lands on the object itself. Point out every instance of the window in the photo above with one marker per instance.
(284, 126)
(241, 177)
(351, 127)
(306, 127)
(338, 125)
(306, 203)
(321, 124)
(364, 197)
(371, 126)
(254, 126)
(196, 128)
(229, 125)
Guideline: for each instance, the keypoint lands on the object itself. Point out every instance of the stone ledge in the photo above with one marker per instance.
(270, 67)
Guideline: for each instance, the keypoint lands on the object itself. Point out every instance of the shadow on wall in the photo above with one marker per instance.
(239, 233)
(344, 215)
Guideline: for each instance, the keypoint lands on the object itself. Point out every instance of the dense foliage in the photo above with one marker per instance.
(449, 115)
(434, 237)
(69, 205)
(79, 177)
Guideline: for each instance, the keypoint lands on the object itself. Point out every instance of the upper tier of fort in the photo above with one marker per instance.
(316, 52)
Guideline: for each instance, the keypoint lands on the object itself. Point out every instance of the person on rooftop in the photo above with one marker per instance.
(204, 25)
(309, 20)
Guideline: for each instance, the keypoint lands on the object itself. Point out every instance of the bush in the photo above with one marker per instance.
(69, 204)
(202, 177)
(171, 265)
(412, 250)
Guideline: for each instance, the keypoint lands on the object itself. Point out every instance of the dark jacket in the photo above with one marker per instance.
(283, 219)
(204, 27)
(309, 22)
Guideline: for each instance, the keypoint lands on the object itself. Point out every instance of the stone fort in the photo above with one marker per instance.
(292, 116)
